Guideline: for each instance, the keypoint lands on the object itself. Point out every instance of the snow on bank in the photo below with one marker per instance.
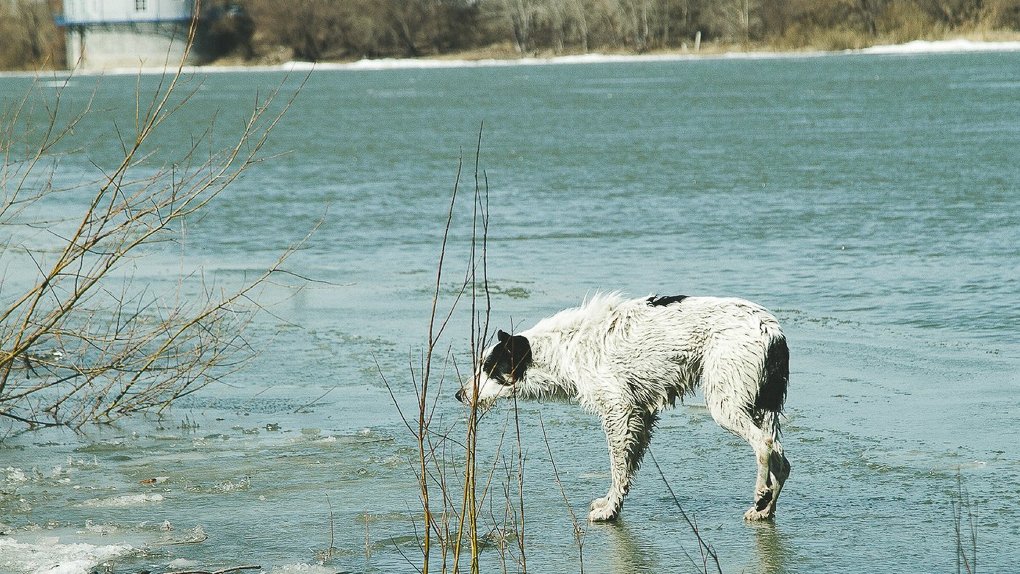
(49, 556)
(917, 47)
(403, 63)
(941, 47)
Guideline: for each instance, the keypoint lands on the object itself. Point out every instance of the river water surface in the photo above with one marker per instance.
(871, 201)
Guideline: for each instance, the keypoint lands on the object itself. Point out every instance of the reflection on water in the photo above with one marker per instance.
(626, 551)
(770, 550)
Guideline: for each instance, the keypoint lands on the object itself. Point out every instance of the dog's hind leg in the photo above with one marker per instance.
(779, 471)
(773, 468)
(628, 432)
(777, 468)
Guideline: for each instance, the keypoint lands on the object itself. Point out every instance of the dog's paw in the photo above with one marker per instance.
(605, 514)
(602, 511)
(754, 514)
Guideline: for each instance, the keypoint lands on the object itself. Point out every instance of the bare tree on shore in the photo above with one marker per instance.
(80, 340)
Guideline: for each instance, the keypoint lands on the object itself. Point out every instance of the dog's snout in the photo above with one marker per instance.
(460, 395)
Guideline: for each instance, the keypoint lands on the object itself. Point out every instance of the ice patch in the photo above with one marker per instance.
(48, 556)
(230, 486)
(302, 569)
(122, 501)
(15, 474)
(101, 529)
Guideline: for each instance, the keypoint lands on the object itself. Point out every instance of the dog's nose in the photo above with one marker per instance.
(460, 395)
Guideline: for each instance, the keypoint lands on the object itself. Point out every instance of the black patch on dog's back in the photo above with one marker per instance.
(663, 301)
(509, 358)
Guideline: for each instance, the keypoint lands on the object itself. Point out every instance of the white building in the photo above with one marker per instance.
(105, 34)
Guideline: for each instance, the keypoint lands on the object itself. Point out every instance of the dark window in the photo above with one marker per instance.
(141, 5)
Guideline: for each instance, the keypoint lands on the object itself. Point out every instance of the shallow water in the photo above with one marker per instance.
(870, 201)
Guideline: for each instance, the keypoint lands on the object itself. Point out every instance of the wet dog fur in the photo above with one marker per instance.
(627, 359)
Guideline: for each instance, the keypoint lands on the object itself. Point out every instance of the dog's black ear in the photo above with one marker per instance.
(520, 355)
(502, 336)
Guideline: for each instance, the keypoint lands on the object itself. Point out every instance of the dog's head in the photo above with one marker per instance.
(502, 366)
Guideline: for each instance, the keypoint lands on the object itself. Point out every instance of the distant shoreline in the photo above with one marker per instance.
(916, 47)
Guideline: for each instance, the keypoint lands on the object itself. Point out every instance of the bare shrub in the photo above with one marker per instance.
(31, 39)
(901, 21)
(80, 340)
(225, 30)
(1003, 14)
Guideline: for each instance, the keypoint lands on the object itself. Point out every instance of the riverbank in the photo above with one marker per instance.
(495, 57)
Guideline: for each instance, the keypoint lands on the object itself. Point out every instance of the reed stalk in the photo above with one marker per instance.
(708, 555)
(452, 485)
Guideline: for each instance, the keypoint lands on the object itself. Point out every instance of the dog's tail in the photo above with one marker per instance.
(772, 390)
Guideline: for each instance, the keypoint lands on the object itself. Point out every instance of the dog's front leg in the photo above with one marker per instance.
(608, 507)
(627, 435)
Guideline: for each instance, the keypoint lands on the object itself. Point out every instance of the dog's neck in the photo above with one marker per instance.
(561, 359)
(552, 373)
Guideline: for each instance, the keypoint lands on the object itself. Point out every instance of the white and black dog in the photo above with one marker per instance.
(627, 359)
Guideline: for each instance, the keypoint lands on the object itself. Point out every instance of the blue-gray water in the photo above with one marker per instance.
(872, 202)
